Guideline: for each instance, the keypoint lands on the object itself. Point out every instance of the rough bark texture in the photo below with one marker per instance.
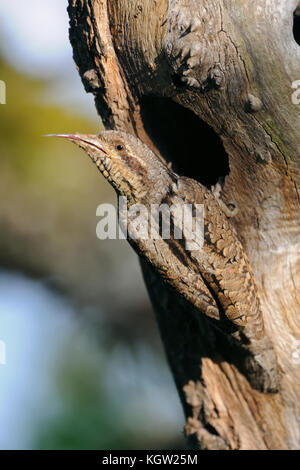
(207, 84)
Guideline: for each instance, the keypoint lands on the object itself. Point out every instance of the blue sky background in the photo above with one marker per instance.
(36, 36)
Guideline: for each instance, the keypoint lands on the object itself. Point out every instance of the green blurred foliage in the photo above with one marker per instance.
(26, 117)
(90, 418)
(86, 419)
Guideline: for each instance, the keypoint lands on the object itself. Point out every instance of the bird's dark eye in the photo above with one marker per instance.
(120, 147)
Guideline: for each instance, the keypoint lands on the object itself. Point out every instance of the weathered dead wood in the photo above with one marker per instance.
(232, 64)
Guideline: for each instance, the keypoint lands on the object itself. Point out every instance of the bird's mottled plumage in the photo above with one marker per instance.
(218, 275)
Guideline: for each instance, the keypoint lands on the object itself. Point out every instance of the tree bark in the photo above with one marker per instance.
(208, 86)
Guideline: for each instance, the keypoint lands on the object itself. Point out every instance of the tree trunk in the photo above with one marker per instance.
(208, 85)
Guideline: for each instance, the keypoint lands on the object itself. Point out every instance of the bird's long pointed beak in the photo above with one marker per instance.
(65, 136)
(80, 139)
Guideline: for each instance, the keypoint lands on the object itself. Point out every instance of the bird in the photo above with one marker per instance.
(217, 279)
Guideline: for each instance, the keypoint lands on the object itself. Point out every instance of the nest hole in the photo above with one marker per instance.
(296, 25)
(192, 146)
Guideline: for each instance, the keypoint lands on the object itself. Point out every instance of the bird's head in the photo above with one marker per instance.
(127, 163)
